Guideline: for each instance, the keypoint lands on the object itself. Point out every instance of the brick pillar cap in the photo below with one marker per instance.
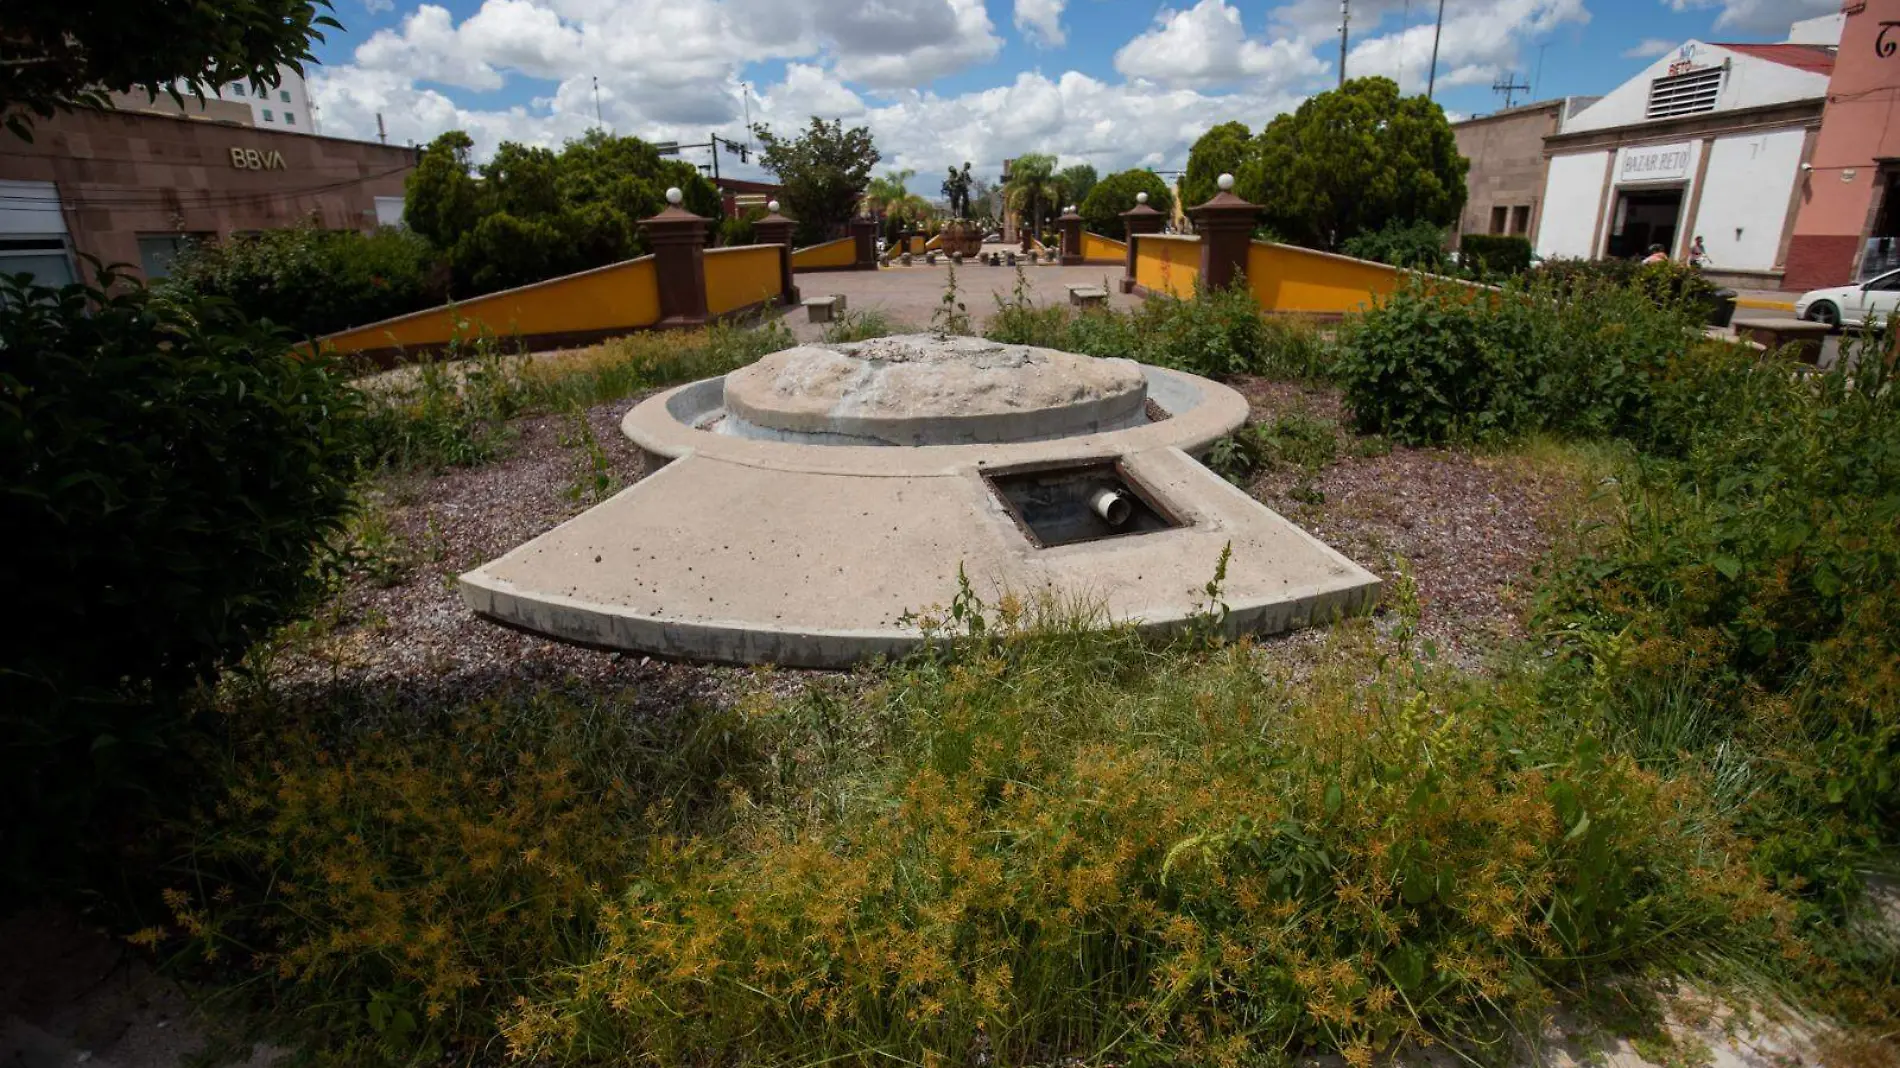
(1140, 211)
(773, 219)
(674, 215)
(1224, 203)
(1069, 215)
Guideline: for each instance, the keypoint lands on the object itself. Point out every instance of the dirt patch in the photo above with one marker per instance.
(398, 631)
(1469, 526)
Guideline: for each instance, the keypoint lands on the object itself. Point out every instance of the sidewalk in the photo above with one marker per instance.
(1773, 300)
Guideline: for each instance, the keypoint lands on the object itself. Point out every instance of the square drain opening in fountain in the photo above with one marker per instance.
(1070, 502)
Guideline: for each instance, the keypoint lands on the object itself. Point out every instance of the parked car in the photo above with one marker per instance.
(1877, 298)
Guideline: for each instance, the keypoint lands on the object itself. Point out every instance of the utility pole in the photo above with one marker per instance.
(714, 138)
(745, 101)
(1345, 18)
(597, 119)
(381, 134)
(1431, 80)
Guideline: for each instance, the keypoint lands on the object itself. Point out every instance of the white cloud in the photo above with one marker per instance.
(1758, 16)
(1041, 21)
(1205, 45)
(377, 7)
(1480, 41)
(670, 71)
(1649, 48)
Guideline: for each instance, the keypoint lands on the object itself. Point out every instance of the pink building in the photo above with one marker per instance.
(1848, 225)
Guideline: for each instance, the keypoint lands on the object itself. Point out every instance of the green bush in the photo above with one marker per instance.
(1441, 362)
(1417, 243)
(1493, 255)
(1760, 570)
(173, 476)
(1426, 366)
(315, 282)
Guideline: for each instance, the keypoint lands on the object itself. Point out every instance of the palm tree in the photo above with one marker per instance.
(889, 196)
(1033, 187)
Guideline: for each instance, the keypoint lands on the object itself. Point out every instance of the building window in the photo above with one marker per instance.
(267, 117)
(237, 88)
(290, 118)
(284, 95)
(1684, 94)
(1520, 218)
(1497, 220)
(157, 251)
(46, 259)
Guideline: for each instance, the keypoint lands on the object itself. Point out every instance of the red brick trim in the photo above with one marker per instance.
(1816, 260)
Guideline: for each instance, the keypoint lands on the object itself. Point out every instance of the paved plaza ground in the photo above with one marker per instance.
(909, 295)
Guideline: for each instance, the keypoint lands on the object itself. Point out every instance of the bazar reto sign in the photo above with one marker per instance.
(1658, 163)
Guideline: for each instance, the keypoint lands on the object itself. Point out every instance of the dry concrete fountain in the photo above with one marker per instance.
(804, 506)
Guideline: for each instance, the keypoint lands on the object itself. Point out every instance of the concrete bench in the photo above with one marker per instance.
(1772, 333)
(1088, 297)
(824, 309)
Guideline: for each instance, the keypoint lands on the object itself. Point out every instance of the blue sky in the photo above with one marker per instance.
(1114, 82)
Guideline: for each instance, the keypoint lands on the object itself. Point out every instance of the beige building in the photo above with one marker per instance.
(133, 187)
(1505, 185)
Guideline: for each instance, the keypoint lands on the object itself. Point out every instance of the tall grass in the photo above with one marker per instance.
(455, 411)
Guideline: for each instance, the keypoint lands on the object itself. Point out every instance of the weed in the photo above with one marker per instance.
(951, 317)
(858, 326)
(593, 479)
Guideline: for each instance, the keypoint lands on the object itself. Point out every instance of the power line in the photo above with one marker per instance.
(1431, 80)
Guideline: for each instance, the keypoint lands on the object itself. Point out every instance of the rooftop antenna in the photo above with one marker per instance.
(1509, 86)
(1345, 18)
(1431, 80)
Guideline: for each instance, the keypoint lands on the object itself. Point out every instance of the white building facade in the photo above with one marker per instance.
(1709, 141)
(285, 108)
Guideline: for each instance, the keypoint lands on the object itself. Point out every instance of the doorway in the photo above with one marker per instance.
(1642, 219)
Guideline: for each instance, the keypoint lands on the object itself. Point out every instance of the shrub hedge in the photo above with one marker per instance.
(1492, 255)
(173, 475)
(314, 282)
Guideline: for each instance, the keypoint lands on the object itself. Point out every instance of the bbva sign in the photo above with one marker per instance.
(250, 159)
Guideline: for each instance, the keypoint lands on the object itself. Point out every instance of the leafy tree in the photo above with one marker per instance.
(824, 172)
(1101, 212)
(55, 57)
(1077, 182)
(1352, 160)
(1417, 244)
(537, 213)
(441, 199)
(1221, 150)
(1033, 188)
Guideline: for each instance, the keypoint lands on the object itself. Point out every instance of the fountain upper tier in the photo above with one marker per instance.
(921, 389)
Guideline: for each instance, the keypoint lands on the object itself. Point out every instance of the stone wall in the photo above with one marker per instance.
(1506, 151)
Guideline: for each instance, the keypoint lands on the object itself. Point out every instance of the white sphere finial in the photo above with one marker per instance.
(772, 206)
(673, 195)
(1141, 198)
(1225, 181)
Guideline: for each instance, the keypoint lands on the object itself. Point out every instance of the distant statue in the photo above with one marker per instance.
(956, 189)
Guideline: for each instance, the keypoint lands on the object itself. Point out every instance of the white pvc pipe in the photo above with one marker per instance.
(1112, 505)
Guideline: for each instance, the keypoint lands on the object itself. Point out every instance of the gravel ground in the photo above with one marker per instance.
(1469, 526)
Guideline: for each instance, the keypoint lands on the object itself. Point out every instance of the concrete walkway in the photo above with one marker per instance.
(910, 295)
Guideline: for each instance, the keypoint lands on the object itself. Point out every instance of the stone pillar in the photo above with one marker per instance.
(863, 230)
(1225, 224)
(776, 229)
(1141, 219)
(678, 238)
(1071, 226)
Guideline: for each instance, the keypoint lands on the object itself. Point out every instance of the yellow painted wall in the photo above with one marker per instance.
(736, 277)
(917, 245)
(1289, 279)
(1167, 264)
(840, 253)
(623, 295)
(1097, 247)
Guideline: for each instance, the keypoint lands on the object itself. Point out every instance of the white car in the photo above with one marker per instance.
(1878, 299)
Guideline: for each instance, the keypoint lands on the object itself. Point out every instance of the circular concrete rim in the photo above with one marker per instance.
(653, 426)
